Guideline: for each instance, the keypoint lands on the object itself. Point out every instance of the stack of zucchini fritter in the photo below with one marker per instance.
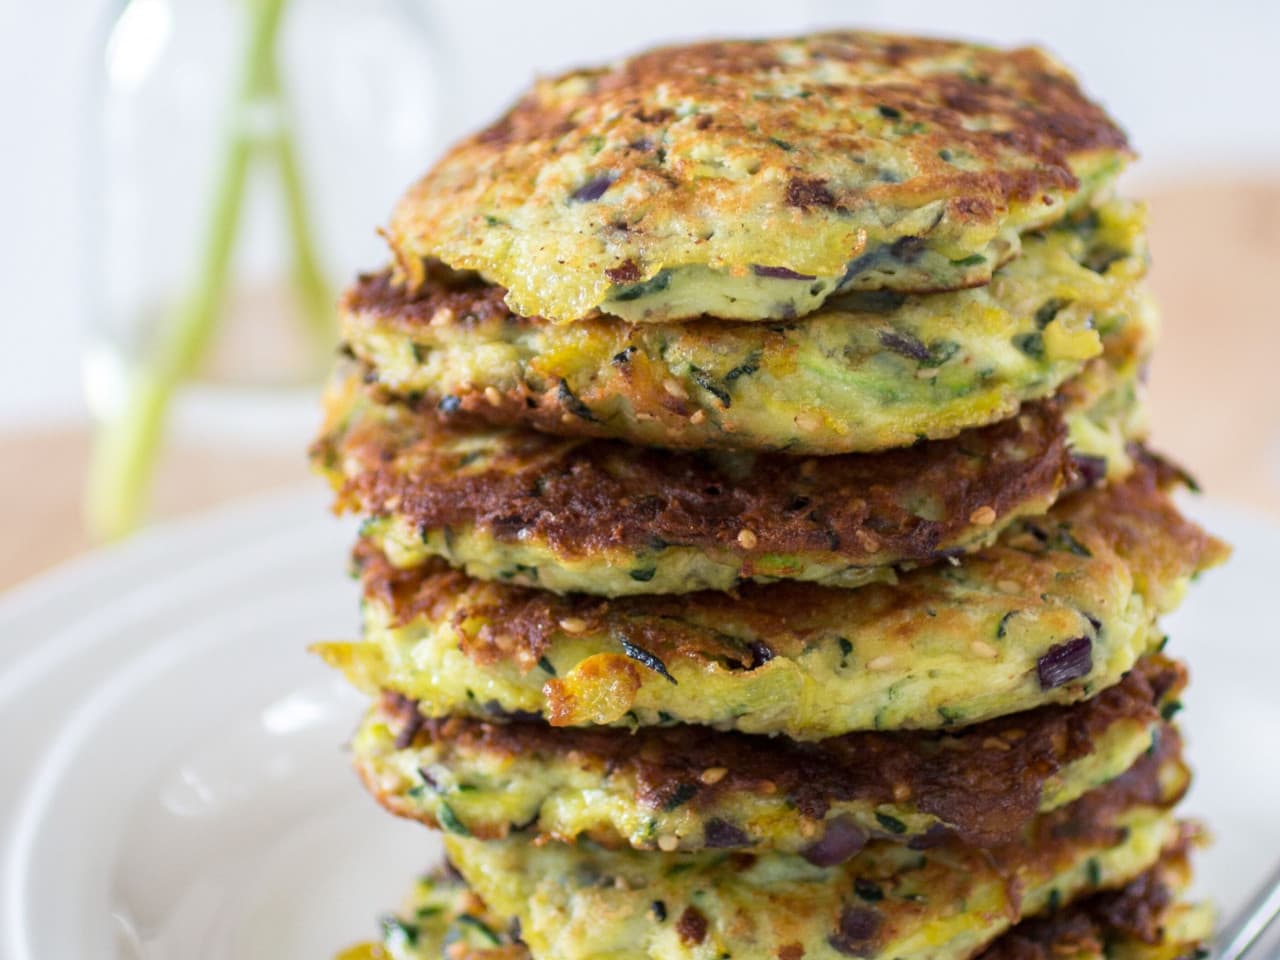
(762, 556)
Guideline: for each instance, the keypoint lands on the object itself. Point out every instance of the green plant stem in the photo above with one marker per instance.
(125, 447)
(314, 296)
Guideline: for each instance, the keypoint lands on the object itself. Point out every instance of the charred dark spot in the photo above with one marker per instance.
(805, 193)
(720, 833)
(761, 653)
(643, 656)
(1092, 470)
(840, 841)
(449, 404)
(659, 910)
(780, 273)
(623, 356)
(569, 400)
(411, 721)
(1065, 662)
(905, 345)
(692, 926)
(678, 795)
(593, 189)
(856, 931)
(907, 249)
(626, 272)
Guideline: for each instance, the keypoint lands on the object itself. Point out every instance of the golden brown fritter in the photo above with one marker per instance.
(1143, 920)
(868, 371)
(604, 517)
(667, 185)
(689, 788)
(1058, 609)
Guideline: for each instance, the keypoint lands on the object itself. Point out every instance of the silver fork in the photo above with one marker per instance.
(1246, 929)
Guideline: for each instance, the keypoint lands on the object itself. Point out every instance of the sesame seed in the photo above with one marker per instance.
(984, 516)
(867, 540)
(442, 317)
(642, 416)
(573, 624)
(767, 787)
(674, 388)
(567, 418)
(901, 792)
(927, 373)
(882, 662)
(995, 743)
(747, 539)
(807, 422)
(713, 775)
(493, 396)
(392, 502)
(668, 843)
(983, 649)
(698, 416)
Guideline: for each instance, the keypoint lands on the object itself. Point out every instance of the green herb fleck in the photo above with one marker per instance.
(970, 261)
(892, 824)
(643, 574)
(868, 890)
(449, 820)
(480, 927)
(655, 284)
(1048, 310)
(398, 933)
(546, 666)
(1032, 344)
(940, 351)
(949, 716)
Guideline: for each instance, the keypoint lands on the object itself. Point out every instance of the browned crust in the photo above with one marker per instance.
(1044, 114)
(1018, 114)
(985, 781)
(1134, 912)
(1134, 519)
(584, 497)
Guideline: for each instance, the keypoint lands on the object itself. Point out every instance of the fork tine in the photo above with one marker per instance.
(1248, 926)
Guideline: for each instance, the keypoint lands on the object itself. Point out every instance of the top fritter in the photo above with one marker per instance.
(754, 179)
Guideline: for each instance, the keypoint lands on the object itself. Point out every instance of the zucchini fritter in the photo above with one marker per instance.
(889, 901)
(1144, 920)
(755, 179)
(688, 788)
(608, 518)
(867, 372)
(1059, 608)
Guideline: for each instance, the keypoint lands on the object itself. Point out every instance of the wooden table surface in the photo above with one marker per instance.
(1213, 392)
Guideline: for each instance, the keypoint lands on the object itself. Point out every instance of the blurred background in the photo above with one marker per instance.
(188, 183)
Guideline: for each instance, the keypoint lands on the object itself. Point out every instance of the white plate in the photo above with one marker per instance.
(172, 782)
